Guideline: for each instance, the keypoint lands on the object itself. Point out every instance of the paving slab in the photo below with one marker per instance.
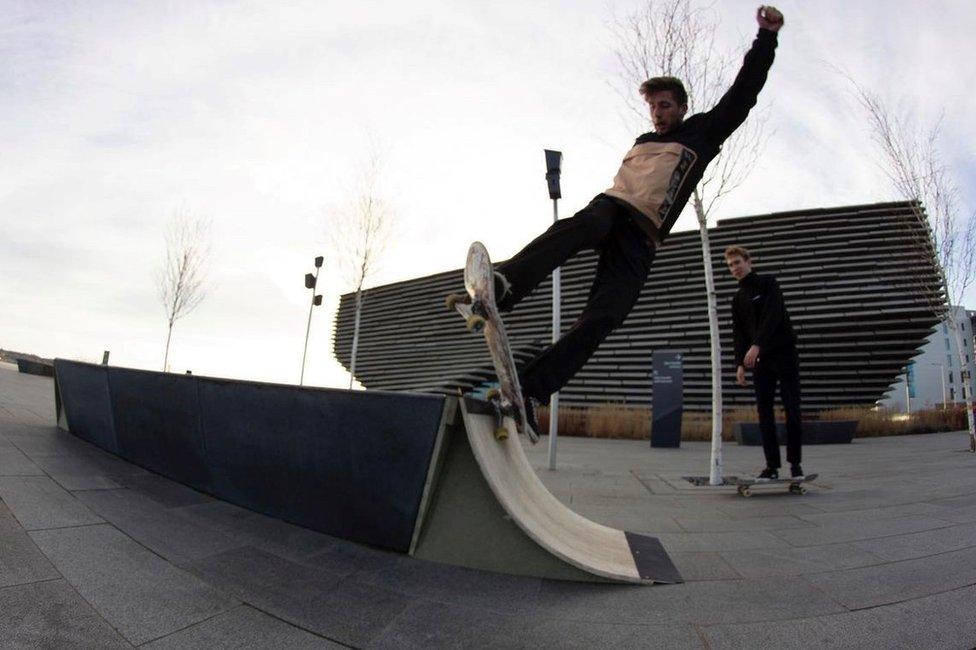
(439, 625)
(242, 627)
(13, 462)
(38, 503)
(21, 562)
(162, 490)
(257, 530)
(485, 591)
(729, 524)
(8, 523)
(137, 592)
(704, 566)
(923, 544)
(720, 601)
(165, 531)
(340, 609)
(836, 533)
(946, 620)
(52, 615)
(762, 563)
(857, 517)
(675, 542)
(899, 581)
(75, 472)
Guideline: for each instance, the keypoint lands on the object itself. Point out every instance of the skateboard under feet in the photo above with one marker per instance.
(477, 308)
(793, 485)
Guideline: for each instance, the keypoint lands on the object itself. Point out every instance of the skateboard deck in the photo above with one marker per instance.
(744, 486)
(477, 307)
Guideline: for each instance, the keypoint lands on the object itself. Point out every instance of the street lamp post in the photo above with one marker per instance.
(553, 170)
(310, 282)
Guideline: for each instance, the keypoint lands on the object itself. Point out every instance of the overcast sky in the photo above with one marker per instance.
(116, 115)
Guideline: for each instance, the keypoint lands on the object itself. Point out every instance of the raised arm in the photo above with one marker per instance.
(731, 111)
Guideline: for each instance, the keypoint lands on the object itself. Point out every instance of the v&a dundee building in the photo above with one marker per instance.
(859, 282)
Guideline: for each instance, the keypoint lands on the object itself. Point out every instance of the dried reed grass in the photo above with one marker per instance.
(620, 421)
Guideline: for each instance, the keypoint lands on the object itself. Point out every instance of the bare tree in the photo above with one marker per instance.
(912, 160)
(181, 278)
(360, 233)
(677, 38)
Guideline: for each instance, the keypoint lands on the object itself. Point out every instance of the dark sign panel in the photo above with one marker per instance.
(667, 400)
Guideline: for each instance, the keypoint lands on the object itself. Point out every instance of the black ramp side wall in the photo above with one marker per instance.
(157, 421)
(350, 464)
(86, 402)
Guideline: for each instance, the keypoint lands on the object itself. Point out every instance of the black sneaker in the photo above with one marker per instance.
(768, 474)
(796, 471)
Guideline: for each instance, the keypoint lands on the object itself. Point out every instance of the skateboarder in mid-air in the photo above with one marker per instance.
(766, 345)
(627, 222)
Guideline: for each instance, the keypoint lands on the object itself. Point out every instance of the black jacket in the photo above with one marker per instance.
(658, 175)
(759, 317)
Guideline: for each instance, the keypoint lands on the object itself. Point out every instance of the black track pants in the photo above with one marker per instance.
(784, 369)
(624, 262)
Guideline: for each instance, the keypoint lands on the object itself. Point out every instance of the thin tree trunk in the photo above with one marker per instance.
(355, 336)
(169, 334)
(715, 471)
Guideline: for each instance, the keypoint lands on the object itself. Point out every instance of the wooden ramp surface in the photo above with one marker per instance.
(595, 549)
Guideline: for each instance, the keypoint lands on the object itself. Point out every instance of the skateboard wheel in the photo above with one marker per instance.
(452, 300)
(798, 489)
(746, 492)
(501, 433)
(475, 323)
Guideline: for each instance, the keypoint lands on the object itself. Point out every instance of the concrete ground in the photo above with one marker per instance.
(880, 553)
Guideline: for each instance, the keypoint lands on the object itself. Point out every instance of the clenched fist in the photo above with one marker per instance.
(769, 18)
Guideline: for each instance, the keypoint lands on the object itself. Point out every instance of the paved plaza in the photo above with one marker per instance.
(880, 553)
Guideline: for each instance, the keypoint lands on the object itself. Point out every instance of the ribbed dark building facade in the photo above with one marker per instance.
(860, 284)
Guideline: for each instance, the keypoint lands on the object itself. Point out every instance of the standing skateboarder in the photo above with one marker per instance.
(627, 222)
(765, 343)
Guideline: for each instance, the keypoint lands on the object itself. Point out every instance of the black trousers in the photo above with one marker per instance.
(782, 368)
(625, 260)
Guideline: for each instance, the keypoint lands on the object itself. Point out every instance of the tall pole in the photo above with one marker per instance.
(310, 283)
(908, 396)
(944, 398)
(553, 170)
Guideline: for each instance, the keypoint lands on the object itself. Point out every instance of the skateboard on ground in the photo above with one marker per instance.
(794, 485)
(478, 309)
(744, 485)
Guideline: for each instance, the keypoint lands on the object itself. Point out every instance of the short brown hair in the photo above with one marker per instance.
(737, 251)
(658, 84)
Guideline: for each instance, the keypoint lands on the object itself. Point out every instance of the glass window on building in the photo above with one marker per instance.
(945, 327)
(947, 344)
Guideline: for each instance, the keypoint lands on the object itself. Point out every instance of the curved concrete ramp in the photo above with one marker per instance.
(415, 474)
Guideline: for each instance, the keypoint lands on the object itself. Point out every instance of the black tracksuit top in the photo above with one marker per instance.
(660, 172)
(759, 317)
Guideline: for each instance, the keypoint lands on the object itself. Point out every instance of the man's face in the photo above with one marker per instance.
(666, 112)
(738, 266)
